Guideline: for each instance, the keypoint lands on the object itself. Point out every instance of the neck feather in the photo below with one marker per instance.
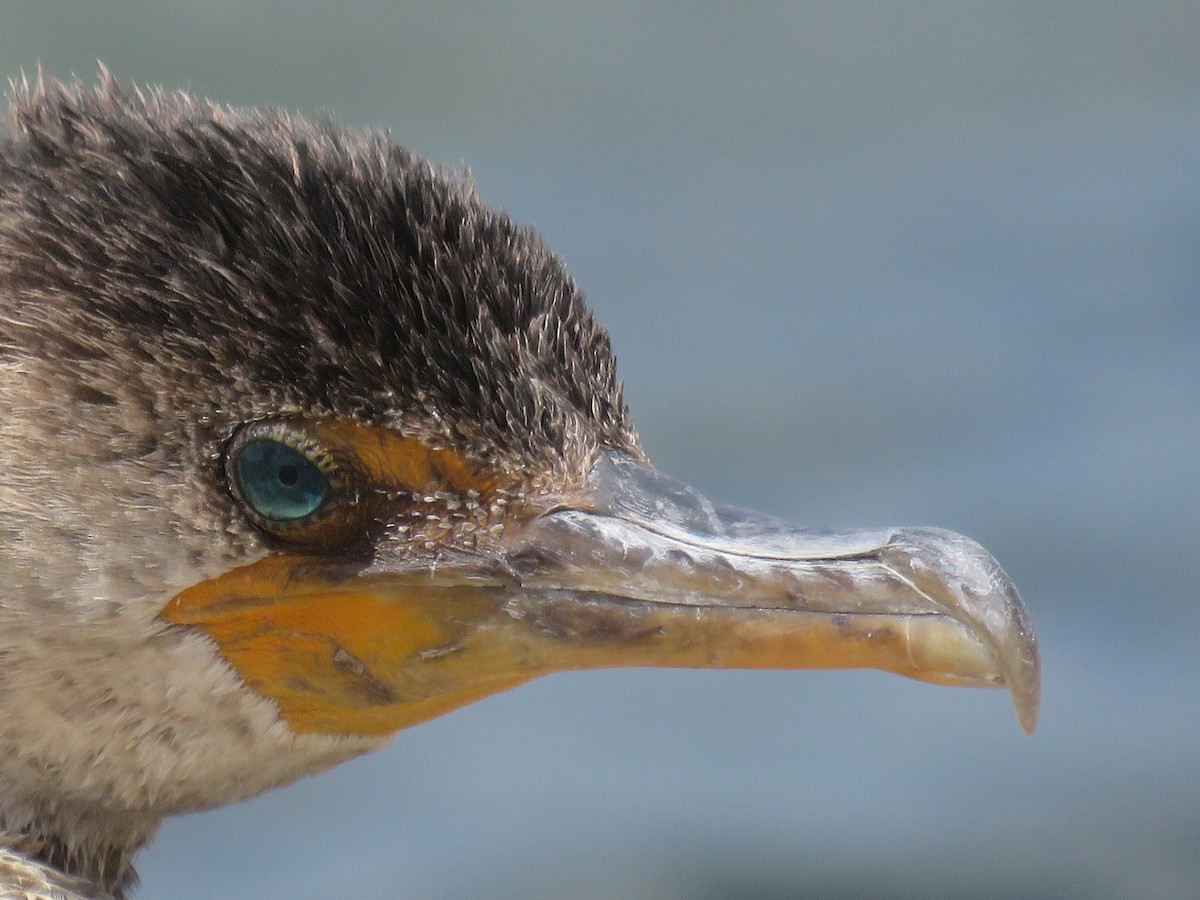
(91, 855)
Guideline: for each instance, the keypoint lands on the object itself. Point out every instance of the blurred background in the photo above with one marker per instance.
(863, 263)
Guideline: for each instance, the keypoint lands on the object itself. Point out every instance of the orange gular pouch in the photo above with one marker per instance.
(347, 659)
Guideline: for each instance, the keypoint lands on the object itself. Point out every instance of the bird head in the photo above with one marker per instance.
(303, 444)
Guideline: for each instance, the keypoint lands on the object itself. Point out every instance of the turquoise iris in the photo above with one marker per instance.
(279, 481)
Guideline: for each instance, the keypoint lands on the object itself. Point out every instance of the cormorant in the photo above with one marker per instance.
(302, 443)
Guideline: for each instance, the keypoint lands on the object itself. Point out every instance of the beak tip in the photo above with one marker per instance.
(1025, 685)
(969, 584)
(1020, 659)
(1027, 702)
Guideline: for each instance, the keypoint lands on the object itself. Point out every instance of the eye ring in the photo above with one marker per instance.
(281, 476)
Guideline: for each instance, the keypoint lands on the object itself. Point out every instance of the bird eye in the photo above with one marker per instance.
(279, 482)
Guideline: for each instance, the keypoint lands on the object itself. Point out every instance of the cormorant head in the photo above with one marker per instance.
(303, 443)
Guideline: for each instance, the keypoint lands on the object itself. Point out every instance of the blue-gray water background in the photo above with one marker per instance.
(863, 263)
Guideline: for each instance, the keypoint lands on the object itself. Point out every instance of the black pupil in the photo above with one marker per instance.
(288, 475)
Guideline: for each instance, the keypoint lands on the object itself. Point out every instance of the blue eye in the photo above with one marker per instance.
(278, 481)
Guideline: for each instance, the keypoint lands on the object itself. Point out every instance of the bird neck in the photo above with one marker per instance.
(68, 850)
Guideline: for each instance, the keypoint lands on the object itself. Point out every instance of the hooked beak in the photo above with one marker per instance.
(644, 571)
